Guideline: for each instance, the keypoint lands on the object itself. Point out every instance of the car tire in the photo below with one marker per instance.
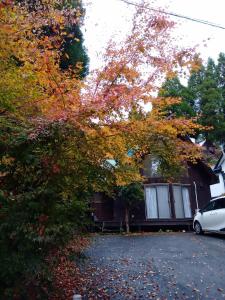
(198, 228)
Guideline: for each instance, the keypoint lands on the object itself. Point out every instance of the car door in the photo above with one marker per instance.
(219, 211)
(207, 218)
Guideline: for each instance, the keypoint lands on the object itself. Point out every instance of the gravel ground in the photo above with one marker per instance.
(155, 266)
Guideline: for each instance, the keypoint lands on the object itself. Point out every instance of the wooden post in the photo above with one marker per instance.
(127, 220)
(172, 201)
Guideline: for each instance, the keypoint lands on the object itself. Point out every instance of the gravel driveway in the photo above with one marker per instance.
(155, 266)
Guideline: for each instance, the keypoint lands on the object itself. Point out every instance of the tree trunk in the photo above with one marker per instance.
(127, 219)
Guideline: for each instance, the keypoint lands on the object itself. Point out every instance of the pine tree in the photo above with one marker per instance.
(204, 97)
(173, 88)
(73, 50)
(194, 84)
(208, 97)
(221, 79)
(221, 73)
(211, 103)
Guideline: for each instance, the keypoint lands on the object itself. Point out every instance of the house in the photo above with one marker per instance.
(166, 204)
(218, 189)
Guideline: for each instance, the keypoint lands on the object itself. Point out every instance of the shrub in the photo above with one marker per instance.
(42, 205)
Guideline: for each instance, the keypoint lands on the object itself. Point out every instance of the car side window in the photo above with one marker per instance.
(217, 204)
(223, 203)
(209, 207)
(220, 203)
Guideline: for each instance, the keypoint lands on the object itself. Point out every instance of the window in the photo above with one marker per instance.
(157, 202)
(220, 203)
(151, 167)
(209, 207)
(154, 168)
(182, 202)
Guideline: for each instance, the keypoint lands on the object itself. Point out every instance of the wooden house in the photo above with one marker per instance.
(165, 205)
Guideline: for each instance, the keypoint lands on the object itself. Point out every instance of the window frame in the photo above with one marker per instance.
(154, 185)
(188, 186)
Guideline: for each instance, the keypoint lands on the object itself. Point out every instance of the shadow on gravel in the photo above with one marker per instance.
(215, 235)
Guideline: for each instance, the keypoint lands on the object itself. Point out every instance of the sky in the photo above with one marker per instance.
(111, 19)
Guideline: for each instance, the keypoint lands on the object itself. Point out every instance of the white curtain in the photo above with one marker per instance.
(178, 201)
(151, 203)
(186, 201)
(163, 201)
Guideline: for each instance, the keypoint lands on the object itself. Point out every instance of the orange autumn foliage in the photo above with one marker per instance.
(101, 106)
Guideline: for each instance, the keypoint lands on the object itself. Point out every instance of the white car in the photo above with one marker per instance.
(211, 217)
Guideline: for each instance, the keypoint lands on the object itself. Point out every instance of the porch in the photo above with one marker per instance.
(144, 225)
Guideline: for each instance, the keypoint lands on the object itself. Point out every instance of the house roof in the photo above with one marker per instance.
(201, 163)
(207, 171)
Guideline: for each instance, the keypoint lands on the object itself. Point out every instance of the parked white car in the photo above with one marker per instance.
(211, 217)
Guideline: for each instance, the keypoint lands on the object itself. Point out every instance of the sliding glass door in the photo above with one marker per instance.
(158, 205)
(182, 202)
(157, 202)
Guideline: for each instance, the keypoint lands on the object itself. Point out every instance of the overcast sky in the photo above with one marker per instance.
(112, 18)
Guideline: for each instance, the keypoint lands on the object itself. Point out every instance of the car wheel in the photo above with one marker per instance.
(198, 228)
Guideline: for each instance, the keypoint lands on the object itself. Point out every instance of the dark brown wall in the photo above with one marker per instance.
(106, 209)
(102, 207)
(202, 181)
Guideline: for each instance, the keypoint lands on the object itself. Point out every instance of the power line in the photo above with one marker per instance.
(177, 15)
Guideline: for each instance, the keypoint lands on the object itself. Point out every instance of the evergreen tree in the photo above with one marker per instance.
(207, 93)
(221, 78)
(204, 97)
(221, 73)
(173, 88)
(212, 104)
(194, 84)
(73, 51)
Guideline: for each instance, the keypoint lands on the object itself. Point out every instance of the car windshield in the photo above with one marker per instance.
(209, 206)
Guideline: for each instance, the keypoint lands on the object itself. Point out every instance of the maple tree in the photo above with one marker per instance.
(60, 134)
(130, 195)
(129, 78)
(131, 74)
